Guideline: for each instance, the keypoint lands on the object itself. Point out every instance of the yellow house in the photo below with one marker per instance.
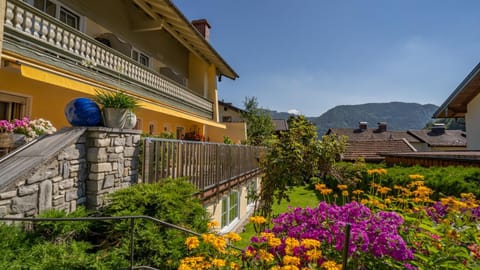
(53, 51)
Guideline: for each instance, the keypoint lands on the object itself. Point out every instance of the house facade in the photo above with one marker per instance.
(464, 102)
(54, 51)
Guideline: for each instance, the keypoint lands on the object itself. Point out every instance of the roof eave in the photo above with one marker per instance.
(443, 109)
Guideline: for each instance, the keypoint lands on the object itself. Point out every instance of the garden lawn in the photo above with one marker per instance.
(301, 196)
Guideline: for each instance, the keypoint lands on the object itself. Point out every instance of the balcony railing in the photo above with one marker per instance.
(211, 167)
(25, 24)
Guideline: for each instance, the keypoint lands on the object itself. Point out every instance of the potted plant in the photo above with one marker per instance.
(117, 108)
(6, 129)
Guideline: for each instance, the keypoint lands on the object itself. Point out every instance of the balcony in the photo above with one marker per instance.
(34, 35)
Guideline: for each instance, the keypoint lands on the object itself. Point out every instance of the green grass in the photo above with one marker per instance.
(300, 196)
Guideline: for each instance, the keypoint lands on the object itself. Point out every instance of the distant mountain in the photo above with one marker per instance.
(398, 115)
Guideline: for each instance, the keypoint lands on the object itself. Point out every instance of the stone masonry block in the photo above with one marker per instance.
(101, 142)
(129, 151)
(119, 141)
(27, 190)
(96, 176)
(49, 171)
(66, 184)
(24, 204)
(101, 167)
(8, 194)
(45, 196)
(108, 182)
(119, 149)
(71, 195)
(97, 154)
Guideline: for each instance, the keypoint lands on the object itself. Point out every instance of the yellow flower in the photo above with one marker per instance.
(218, 262)
(310, 243)
(416, 177)
(265, 256)
(313, 254)
(291, 260)
(258, 219)
(345, 193)
(357, 191)
(192, 242)
(331, 265)
(274, 242)
(342, 187)
(292, 242)
(232, 236)
(377, 171)
(212, 224)
(250, 252)
(320, 186)
(326, 191)
(384, 190)
(289, 267)
(234, 266)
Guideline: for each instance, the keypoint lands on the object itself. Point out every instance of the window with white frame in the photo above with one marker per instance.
(141, 58)
(58, 11)
(230, 209)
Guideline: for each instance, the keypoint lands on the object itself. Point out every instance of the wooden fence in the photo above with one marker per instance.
(209, 166)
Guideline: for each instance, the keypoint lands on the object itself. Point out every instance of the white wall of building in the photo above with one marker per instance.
(472, 120)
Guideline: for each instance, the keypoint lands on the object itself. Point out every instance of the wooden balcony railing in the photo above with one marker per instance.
(208, 166)
(26, 25)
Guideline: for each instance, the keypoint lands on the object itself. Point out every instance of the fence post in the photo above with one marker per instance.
(132, 230)
(345, 246)
(147, 160)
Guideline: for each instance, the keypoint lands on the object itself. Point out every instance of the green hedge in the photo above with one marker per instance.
(445, 181)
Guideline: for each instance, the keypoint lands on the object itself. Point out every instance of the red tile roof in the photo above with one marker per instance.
(371, 150)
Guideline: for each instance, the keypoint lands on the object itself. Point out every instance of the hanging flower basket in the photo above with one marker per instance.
(6, 140)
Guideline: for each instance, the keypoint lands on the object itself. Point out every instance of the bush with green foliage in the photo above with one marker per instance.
(106, 244)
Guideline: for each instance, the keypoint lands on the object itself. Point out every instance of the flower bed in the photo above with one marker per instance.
(390, 228)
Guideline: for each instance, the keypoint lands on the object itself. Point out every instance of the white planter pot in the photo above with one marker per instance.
(130, 121)
(114, 118)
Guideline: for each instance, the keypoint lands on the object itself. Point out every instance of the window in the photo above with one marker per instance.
(141, 58)
(251, 191)
(56, 10)
(227, 119)
(230, 210)
(13, 107)
(69, 18)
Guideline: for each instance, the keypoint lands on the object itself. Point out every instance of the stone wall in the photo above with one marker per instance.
(99, 162)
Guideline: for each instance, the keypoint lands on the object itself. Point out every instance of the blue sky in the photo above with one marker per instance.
(311, 55)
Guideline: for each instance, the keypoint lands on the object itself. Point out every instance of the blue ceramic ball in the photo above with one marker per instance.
(83, 112)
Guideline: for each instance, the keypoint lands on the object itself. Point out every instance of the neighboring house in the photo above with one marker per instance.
(56, 50)
(371, 143)
(231, 117)
(464, 102)
(368, 143)
(280, 125)
(53, 51)
(439, 139)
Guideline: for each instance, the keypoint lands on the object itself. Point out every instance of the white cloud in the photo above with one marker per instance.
(293, 111)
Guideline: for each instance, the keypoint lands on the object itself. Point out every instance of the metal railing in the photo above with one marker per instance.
(132, 229)
(206, 165)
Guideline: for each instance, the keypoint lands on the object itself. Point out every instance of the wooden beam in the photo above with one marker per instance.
(148, 25)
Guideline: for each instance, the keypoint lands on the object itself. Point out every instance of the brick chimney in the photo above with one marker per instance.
(382, 126)
(362, 125)
(203, 27)
(438, 128)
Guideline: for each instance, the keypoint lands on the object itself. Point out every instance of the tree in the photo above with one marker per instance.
(259, 123)
(291, 160)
